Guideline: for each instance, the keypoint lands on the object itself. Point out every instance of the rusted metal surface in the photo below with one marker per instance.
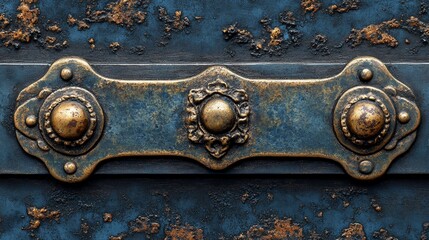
(273, 30)
(191, 208)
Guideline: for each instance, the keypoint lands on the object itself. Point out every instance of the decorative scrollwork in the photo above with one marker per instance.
(218, 116)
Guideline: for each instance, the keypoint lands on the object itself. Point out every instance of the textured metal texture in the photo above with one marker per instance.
(167, 197)
(287, 115)
(215, 207)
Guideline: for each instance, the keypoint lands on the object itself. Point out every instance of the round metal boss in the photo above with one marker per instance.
(364, 119)
(71, 120)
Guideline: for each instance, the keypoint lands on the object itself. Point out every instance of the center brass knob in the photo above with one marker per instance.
(218, 116)
(70, 120)
(365, 119)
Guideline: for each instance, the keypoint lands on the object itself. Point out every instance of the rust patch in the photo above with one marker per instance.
(383, 234)
(375, 205)
(311, 5)
(414, 25)
(272, 41)
(354, 231)
(376, 34)
(84, 228)
(91, 42)
(176, 23)
(4, 21)
(115, 46)
(119, 237)
(186, 232)
(124, 13)
(27, 18)
(319, 45)
(54, 28)
(144, 225)
(38, 215)
(107, 217)
(344, 7)
(274, 229)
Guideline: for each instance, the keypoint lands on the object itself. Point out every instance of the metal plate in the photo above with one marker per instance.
(287, 116)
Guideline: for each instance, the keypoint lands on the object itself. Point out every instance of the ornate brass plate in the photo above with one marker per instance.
(73, 118)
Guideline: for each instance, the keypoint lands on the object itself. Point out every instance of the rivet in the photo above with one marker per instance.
(31, 121)
(70, 167)
(403, 117)
(66, 74)
(366, 167)
(365, 75)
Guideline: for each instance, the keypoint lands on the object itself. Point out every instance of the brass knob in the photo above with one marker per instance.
(365, 119)
(70, 120)
(218, 116)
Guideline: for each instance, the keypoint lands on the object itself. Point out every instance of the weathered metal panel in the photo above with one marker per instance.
(262, 198)
(215, 208)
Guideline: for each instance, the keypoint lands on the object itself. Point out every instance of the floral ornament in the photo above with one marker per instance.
(218, 143)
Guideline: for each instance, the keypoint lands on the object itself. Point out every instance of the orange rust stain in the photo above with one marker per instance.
(4, 21)
(144, 225)
(122, 12)
(40, 214)
(422, 27)
(375, 33)
(344, 7)
(107, 217)
(354, 231)
(186, 232)
(115, 46)
(311, 5)
(27, 18)
(280, 229)
(276, 37)
(54, 28)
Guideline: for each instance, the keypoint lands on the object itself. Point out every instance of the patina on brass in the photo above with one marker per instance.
(365, 119)
(70, 120)
(359, 119)
(218, 116)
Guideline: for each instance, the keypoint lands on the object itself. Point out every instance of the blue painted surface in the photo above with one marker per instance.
(221, 207)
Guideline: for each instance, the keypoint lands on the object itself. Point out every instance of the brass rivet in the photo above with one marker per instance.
(70, 167)
(403, 117)
(218, 116)
(366, 166)
(365, 75)
(365, 119)
(66, 74)
(70, 120)
(31, 121)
